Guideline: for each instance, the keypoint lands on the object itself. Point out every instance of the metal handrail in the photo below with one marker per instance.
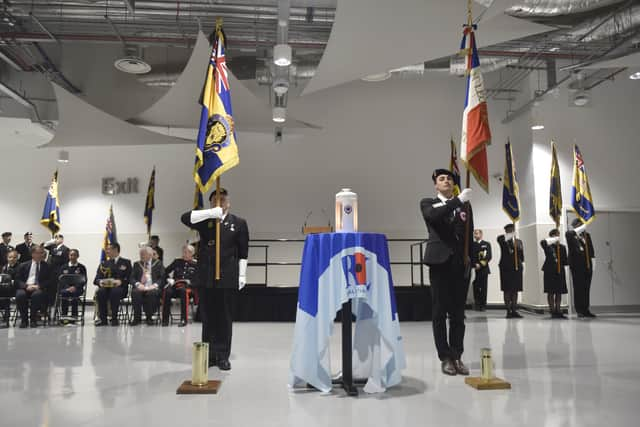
(266, 264)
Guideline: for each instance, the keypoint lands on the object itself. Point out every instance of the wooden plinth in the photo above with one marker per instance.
(188, 388)
(480, 383)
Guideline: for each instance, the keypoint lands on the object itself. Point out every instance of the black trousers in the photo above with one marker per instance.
(480, 287)
(38, 302)
(149, 299)
(6, 293)
(112, 296)
(65, 300)
(172, 292)
(448, 285)
(217, 319)
(581, 289)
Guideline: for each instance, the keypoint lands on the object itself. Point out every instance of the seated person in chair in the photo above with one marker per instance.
(180, 275)
(71, 293)
(8, 290)
(147, 276)
(112, 278)
(32, 281)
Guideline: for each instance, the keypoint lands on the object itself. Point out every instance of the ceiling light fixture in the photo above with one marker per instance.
(378, 77)
(635, 76)
(279, 114)
(282, 55)
(63, 156)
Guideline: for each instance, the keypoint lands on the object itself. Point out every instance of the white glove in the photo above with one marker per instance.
(171, 281)
(242, 273)
(205, 214)
(593, 264)
(580, 229)
(465, 195)
(552, 240)
(50, 242)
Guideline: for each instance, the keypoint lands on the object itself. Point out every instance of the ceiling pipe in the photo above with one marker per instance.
(544, 9)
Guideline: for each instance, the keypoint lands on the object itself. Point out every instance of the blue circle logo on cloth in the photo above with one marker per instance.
(219, 130)
(348, 209)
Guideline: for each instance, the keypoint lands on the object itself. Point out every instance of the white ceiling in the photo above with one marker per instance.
(81, 124)
(374, 36)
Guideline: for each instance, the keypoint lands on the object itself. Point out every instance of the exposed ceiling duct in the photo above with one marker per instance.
(618, 23)
(546, 9)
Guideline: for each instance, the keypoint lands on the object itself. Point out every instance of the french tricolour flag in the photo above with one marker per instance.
(476, 134)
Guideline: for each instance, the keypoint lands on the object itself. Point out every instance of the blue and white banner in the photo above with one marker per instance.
(337, 267)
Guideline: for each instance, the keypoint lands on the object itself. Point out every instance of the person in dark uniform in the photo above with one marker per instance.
(147, 278)
(24, 248)
(8, 291)
(33, 280)
(58, 252)
(112, 279)
(555, 282)
(448, 219)
(511, 269)
(153, 242)
(581, 260)
(72, 267)
(480, 257)
(180, 274)
(217, 296)
(5, 247)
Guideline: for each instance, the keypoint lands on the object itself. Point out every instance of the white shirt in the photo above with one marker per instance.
(32, 279)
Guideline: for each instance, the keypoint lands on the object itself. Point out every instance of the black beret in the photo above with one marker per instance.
(28, 233)
(7, 234)
(509, 228)
(438, 172)
(577, 222)
(223, 192)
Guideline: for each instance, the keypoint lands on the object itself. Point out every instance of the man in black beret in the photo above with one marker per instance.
(5, 247)
(217, 296)
(511, 269)
(24, 248)
(449, 219)
(581, 262)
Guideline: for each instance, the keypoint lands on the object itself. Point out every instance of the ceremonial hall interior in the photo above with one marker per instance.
(329, 124)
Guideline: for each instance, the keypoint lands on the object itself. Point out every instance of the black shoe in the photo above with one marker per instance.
(590, 314)
(516, 315)
(460, 368)
(561, 316)
(509, 315)
(182, 324)
(24, 324)
(448, 367)
(224, 364)
(33, 324)
(149, 321)
(115, 322)
(135, 322)
(165, 323)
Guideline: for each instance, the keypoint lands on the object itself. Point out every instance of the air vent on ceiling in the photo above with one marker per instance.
(132, 65)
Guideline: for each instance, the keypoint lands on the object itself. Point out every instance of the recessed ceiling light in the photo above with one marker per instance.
(537, 127)
(635, 76)
(377, 77)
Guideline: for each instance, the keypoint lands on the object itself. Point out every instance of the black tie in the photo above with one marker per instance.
(37, 271)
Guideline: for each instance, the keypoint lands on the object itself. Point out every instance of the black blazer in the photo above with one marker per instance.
(446, 223)
(578, 248)
(4, 250)
(22, 275)
(234, 246)
(157, 273)
(551, 256)
(57, 256)
(507, 257)
(24, 251)
(76, 269)
(110, 269)
(481, 251)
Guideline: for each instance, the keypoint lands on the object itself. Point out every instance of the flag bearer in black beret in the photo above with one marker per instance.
(448, 219)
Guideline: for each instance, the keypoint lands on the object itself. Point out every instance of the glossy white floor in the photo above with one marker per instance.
(564, 373)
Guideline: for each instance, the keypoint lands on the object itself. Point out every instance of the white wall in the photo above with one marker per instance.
(383, 140)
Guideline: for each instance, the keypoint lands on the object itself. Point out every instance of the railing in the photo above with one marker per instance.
(266, 244)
